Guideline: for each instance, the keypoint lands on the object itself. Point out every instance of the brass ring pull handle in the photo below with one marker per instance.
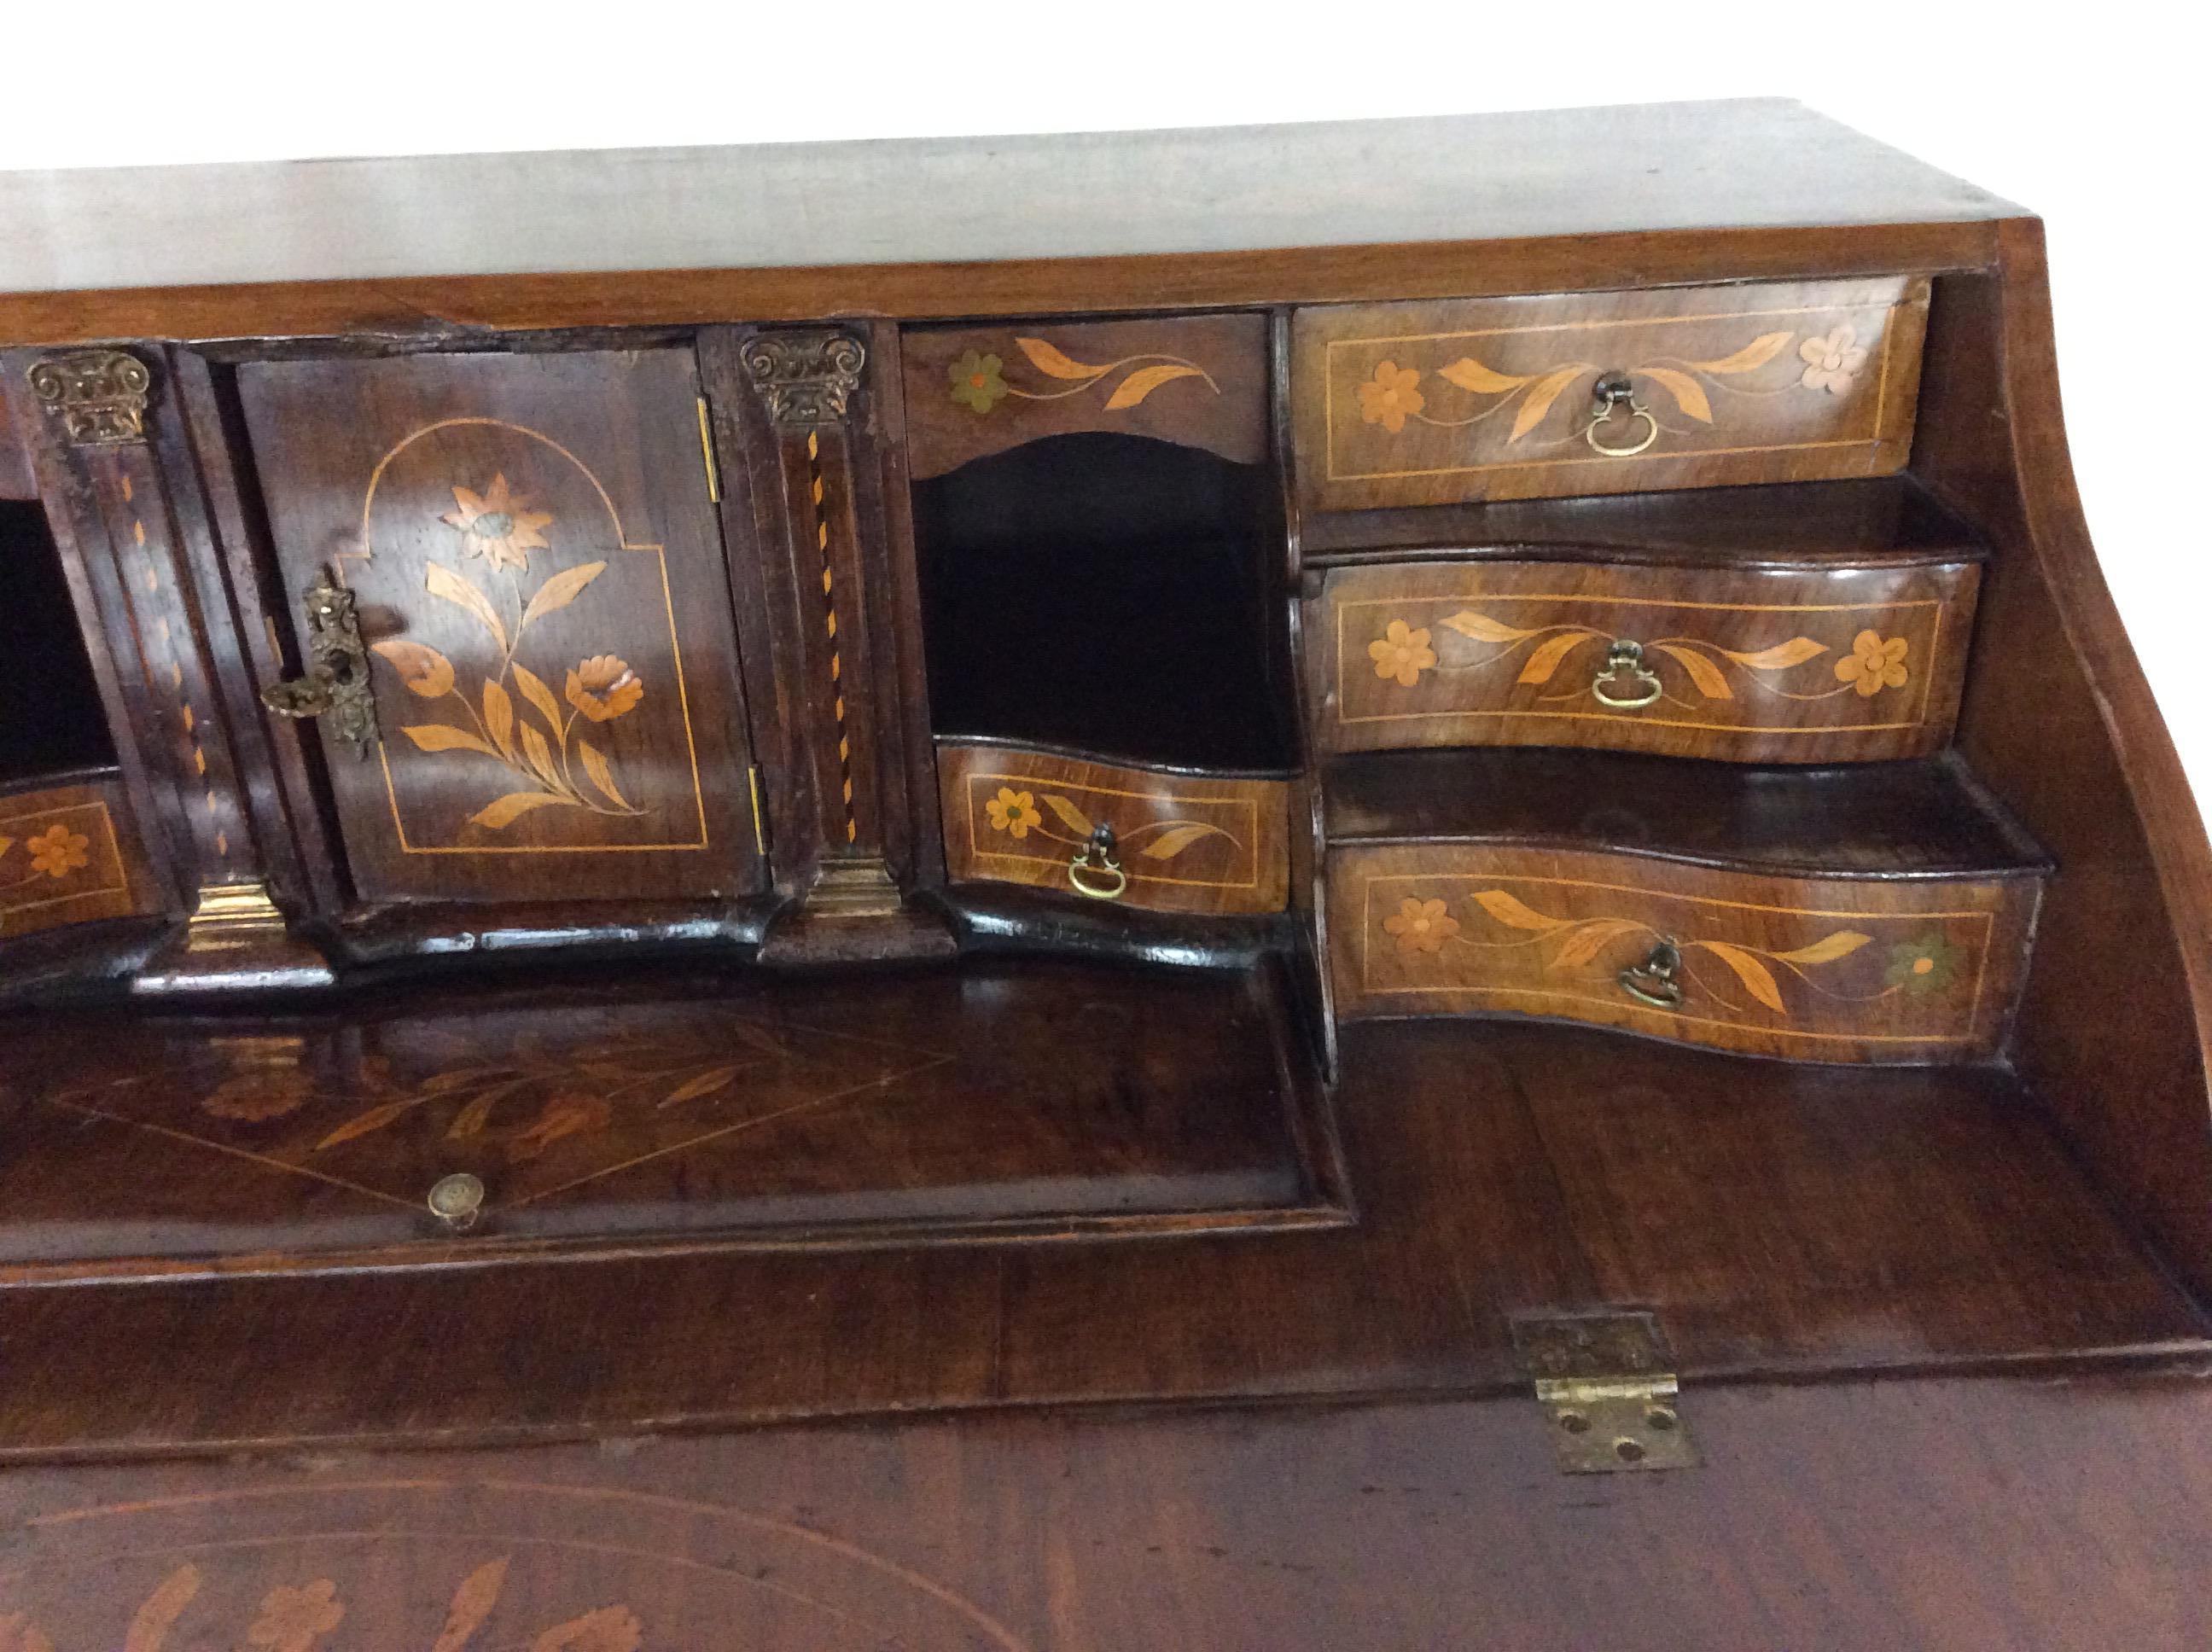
(1652, 981)
(335, 684)
(1095, 872)
(1625, 659)
(1614, 394)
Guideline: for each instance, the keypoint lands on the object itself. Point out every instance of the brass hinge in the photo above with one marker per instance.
(760, 827)
(1611, 1401)
(707, 453)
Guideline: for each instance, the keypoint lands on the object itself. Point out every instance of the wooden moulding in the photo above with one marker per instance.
(1187, 840)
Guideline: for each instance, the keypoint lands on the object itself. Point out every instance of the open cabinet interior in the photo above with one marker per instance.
(52, 722)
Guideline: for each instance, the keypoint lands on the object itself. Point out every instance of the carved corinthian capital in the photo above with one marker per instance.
(98, 396)
(805, 378)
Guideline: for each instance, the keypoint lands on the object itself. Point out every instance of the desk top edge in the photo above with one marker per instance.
(1738, 164)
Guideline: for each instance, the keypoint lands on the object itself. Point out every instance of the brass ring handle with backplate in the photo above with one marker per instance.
(1653, 982)
(1611, 394)
(336, 682)
(1625, 659)
(1095, 872)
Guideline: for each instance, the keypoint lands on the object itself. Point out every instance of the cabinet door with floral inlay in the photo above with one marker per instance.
(529, 547)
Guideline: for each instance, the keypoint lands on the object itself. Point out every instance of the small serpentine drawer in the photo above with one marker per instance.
(1552, 395)
(1173, 841)
(1816, 968)
(1811, 663)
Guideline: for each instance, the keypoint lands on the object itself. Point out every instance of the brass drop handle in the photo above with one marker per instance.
(336, 683)
(1625, 659)
(1653, 982)
(1611, 394)
(1095, 872)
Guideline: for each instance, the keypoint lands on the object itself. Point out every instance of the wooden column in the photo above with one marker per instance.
(110, 481)
(825, 655)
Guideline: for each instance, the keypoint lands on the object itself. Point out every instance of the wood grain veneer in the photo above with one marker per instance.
(1426, 403)
(1823, 663)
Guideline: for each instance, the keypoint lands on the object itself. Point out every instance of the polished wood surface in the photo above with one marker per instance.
(1409, 403)
(1827, 969)
(1826, 663)
(1164, 218)
(980, 1102)
(1183, 841)
(1988, 1516)
(1200, 380)
(1823, 1219)
(69, 854)
(533, 548)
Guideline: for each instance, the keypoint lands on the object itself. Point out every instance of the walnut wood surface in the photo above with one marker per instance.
(1171, 217)
(69, 854)
(978, 1103)
(1429, 403)
(1200, 381)
(1188, 842)
(16, 478)
(1822, 664)
(1844, 1219)
(1922, 818)
(1876, 519)
(542, 589)
(1827, 969)
(1999, 1515)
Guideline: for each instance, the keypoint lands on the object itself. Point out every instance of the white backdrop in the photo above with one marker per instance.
(2093, 117)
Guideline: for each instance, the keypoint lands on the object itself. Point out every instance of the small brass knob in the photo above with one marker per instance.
(457, 1200)
(1096, 870)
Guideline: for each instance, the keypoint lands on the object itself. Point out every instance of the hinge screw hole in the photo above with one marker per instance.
(1628, 1450)
(1661, 1419)
(1574, 1422)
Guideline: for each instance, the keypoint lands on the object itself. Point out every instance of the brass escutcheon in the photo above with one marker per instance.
(336, 682)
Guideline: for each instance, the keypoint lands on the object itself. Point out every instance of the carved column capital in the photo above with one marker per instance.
(805, 378)
(99, 396)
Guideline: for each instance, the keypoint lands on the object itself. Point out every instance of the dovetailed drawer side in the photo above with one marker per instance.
(1432, 403)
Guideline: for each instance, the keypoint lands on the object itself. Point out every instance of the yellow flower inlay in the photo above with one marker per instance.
(1013, 812)
(1391, 397)
(1874, 665)
(58, 851)
(1421, 925)
(1402, 652)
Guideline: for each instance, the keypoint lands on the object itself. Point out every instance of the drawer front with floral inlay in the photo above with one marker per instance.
(1534, 397)
(68, 855)
(1140, 837)
(1751, 665)
(1814, 968)
(1199, 380)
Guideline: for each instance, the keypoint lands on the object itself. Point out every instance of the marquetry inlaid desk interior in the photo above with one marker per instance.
(1025, 800)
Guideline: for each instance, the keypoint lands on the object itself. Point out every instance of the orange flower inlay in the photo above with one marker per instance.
(494, 524)
(58, 851)
(603, 688)
(1391, 397)
(1421, 925)
(1013, 812)
(294, 1619)
(1402, 652)
(1874, 665)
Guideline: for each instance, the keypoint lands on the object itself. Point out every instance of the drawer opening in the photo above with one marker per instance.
(1110, 594)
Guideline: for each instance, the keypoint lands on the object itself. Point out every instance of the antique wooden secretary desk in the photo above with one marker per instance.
(1158, 891)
